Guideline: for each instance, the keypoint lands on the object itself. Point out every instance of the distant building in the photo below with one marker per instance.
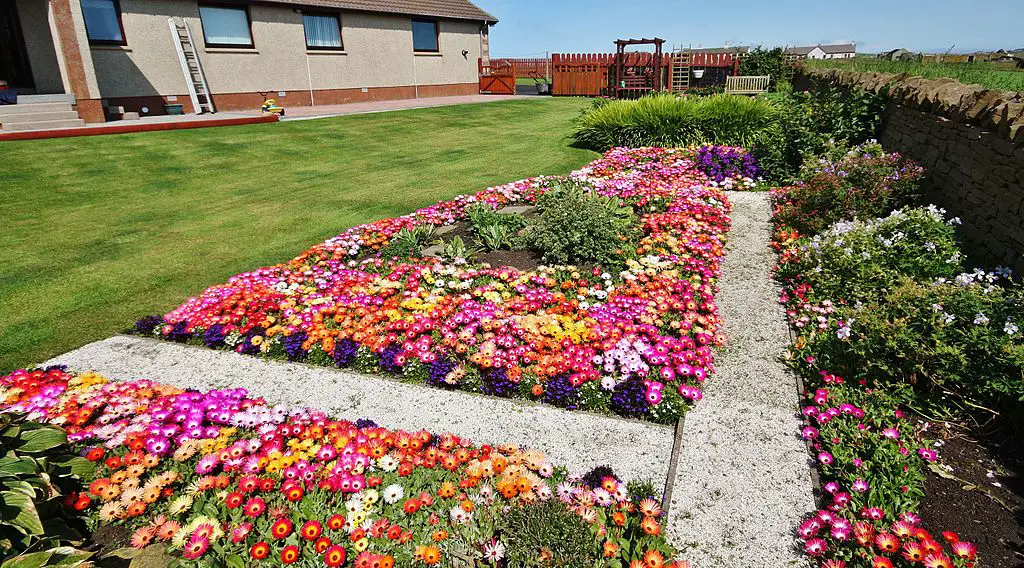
(833, 51)
(900, 54)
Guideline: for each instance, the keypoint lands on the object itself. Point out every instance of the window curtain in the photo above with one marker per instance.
(101, 21)
(225, 26)
(322, 31)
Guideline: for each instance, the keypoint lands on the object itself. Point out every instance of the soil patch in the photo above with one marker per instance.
(950, 504)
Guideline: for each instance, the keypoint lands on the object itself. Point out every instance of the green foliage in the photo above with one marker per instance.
(667, 120)
(859, 261)
(809, 123)
(985, 74)
(577, 227)
(494, 230)
(770, 62)
(866, 182)
(407, 243)
(36, 473)
(958, 343)
(457, 248)
(548, 529)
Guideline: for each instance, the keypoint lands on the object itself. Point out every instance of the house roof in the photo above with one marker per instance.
(455, 9)
(839, 48)
(730, 49)
(834, 48)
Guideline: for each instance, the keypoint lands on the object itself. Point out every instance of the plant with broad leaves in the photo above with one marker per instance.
(38, 479)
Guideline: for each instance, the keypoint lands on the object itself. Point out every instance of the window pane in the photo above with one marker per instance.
(322, 31)
(424, 35)
(101, 21)
(225, 26)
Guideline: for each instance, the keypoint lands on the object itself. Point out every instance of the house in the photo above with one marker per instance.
(833, 51)
(106, 54)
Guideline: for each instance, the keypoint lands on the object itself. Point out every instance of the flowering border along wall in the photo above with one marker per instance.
(223, 479)
(635, 339)
(870, 455)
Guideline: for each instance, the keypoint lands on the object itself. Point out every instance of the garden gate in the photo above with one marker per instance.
(497, 78)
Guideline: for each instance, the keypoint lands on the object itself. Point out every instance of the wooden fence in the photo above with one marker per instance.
(592, 74)
(498, 78)
(526, 67)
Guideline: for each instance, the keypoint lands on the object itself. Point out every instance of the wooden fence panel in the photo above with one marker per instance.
(526, 67)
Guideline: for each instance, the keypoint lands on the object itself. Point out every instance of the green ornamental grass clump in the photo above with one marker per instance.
(548, 534)
(671, 121)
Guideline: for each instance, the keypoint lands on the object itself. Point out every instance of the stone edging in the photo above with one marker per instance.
(1000, 111)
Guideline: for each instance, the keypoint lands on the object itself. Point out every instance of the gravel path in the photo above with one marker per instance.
(578, 440)
(743, 480)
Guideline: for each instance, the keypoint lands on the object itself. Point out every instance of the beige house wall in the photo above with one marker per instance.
(378, 53)
(42, 55)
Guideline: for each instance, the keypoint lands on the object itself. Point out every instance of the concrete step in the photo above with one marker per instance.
(43, 125)
(23, 117)
(22, 108)
(31, 99)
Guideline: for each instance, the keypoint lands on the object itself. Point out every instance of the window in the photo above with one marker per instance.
(103, 21)
(323, 31)
(424, 35)
(226, 26)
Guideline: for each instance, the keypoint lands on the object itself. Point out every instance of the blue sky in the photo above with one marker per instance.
(527, 28)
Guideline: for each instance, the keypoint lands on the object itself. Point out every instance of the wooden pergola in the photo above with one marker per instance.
(647, 79)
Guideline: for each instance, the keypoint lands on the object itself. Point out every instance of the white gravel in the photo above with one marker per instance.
(577, 440)
(743, 480)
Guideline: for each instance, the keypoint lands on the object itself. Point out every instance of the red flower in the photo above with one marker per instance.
(234, 500)
(311, 530)
(281, 528)
(404, 469)
(290, 554)
(292, 492)
(82, 503)
(322, 544)
(94, 454)
(411, 506)
(394, 532)
(334, 556)
(260, 550)
(336, 522)
(113, 462)
(254, 507)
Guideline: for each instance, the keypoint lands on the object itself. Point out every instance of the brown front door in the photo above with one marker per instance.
(13, 58)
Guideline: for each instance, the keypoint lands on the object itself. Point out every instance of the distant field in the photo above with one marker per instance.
(988, 74)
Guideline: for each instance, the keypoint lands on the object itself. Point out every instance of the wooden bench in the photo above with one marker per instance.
(747, 84)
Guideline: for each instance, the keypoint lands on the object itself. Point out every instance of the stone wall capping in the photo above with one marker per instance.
(996, 110)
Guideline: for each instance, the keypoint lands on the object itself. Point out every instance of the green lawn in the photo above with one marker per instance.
(101, 230)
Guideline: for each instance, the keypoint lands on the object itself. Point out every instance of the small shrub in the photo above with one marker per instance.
(859, 261)
(810, 122)
(867, 182)
(957, 342)
(576, 227)
(548, 531)
(771, 62)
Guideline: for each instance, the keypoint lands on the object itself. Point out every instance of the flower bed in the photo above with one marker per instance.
(871, 456)
(223, 479)
(634, 338)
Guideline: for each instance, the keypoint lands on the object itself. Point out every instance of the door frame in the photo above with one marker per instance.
(14, 38)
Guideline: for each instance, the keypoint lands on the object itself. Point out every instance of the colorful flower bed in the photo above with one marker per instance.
(223, 479)
(871, 456)
(636, 341)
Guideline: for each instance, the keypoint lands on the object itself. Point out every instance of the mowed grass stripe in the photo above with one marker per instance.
(101, 230)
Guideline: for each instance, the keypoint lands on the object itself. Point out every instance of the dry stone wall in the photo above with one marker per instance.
(970, 139)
